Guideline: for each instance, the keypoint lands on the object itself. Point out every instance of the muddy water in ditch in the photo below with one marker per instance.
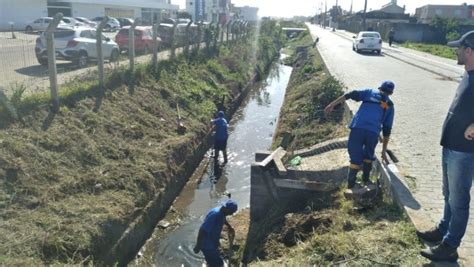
(251, 129)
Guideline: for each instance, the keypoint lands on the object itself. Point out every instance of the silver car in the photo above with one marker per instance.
(41, 24)
(77, 45)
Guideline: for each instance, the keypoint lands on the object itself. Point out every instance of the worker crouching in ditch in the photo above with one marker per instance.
(375, 114)
(210, 233)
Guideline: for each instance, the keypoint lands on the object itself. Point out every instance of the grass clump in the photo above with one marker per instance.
(327, 231)
(434, 49)
(302, 122)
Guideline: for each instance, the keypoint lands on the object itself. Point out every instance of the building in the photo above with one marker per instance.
(20, 12)
(426, 14)
(392, 8)
(209, 10)
(247, 13)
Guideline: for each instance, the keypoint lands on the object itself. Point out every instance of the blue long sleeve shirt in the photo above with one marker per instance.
(376, 112)
(221, 128)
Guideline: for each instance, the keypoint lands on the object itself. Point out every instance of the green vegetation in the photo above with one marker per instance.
(302, 122)
(448, 27)
(73, 182)
(434, 49)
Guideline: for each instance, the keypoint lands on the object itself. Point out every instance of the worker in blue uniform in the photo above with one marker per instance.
(210, 233)
(375, 114)
(221, 136)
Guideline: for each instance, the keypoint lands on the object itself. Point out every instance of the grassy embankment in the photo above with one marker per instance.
(325, 229)
(434, 49)
(72, 183)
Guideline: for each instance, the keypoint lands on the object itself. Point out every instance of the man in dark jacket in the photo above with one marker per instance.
(457, 140)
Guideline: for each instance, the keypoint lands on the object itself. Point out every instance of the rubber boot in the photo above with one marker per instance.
(367, 167)
(351, 177)
(216, 155)
(225, 155)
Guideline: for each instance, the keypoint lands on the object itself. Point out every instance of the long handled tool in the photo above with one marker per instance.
(181, 127)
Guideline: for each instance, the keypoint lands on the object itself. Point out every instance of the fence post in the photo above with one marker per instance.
(199, 38)
(53, 78)
(131, 45)
(173, 40)
(155, 41)
(188, 39)
(229, 23)
(224, 26)
(216, 35)
(100, 55)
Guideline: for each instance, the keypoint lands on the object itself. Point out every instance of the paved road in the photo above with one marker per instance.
(425, 86)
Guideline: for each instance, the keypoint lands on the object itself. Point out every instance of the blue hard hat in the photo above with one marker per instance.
(230, 205)
(220, 114)
(387, 86)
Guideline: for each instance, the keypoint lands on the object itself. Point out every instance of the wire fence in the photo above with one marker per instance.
(24, 56)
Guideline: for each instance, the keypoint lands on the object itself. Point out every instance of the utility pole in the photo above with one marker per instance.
(335, 15)
(363, 16)
(325, 14)
(350, 11)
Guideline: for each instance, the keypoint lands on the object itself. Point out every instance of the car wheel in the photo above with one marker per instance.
(81, 61)
(353, 48)
(357, 49)
(378, 51)
(114, 56)
(28, 29)
(43, 61)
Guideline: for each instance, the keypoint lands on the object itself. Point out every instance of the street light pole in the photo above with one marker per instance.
(363, 16)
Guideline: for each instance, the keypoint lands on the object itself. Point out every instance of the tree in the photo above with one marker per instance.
(449, 28)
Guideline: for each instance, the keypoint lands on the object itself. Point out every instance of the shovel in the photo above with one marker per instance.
(181, 127)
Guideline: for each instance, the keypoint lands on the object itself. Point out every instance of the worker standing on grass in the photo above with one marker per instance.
(221, 135)
(376, 113)
(210, 233)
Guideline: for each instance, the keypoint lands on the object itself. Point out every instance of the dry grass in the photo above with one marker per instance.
(72, 183)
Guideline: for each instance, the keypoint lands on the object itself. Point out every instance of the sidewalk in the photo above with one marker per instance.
(426, 85)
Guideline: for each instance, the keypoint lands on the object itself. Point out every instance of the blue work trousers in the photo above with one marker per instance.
(213, 257)
(361, 145)
(458, 172)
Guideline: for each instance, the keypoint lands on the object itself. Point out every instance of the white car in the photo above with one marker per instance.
(72, 22)
(367, 41)
(41, 24)
(87, 22)
(77, 45)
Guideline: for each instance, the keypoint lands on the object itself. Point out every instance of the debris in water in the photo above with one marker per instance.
(163, 224)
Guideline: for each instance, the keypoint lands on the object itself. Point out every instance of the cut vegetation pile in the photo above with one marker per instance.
(72, 183)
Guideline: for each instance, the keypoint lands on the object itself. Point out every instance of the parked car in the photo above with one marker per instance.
(40, 24)
(143, 39)
(112, 23)
(367, 41)
(87, 22)
(125, 22)
(77, 45)
(72, 22)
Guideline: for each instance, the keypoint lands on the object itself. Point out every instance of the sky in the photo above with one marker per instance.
(290, 8)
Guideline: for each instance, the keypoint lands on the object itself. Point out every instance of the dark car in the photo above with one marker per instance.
(125, 22)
